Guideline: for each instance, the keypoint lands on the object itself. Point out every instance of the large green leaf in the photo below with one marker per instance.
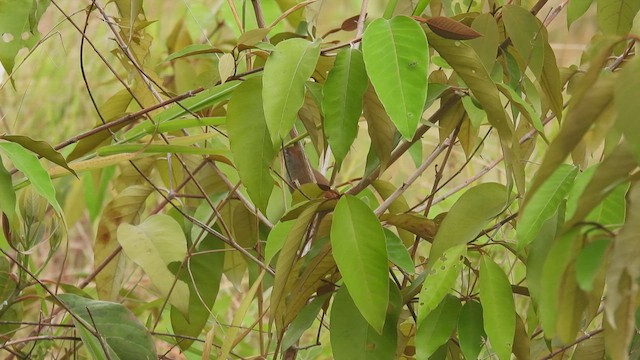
(544, 203)
(468, 216)
(627, 105)
(353, 338)
(285, 73)
(396, 54)
(498, 307)
(524, 30)
(123, 336)
(202, 272)
(342, 100)
(439, 280)
(615, 17)
(470, 329)
(18, 17)
(486, 46)
(29, 165)
(250, 142)
(153, 245)
(437, 327)
(359, 248)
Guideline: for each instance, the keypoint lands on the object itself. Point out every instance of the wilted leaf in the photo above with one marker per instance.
(396, 55)
(359, 248)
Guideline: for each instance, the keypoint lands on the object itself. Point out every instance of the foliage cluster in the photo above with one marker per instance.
(247, 198)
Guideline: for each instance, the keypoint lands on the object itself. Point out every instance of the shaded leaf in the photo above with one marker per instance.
(123, 335)
(627, 90)
(413, 222)
(226, 67)
(470, 329)
(525, 32)
(285, 73)
(303, 321)
(575, 10)
(7, 193)
(397, 252)
(359, 249)
(353, 338)
(498, 307)
(251, 145)
(615, 17)
(342, 101)
(589, 261)
(193, 49)
(397, 59)
(437, 327)
(486, 46)
(276, 239)
(468, 216)
(449, 28)
(153, 245)
(381, 129)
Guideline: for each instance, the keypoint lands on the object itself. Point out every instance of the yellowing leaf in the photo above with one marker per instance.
(396, 55)
(226, 67)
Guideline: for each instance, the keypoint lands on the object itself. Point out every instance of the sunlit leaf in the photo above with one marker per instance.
(359, 248)
(342, 100)
(41, 148)
(397, 59)
(498, 307)
(153, 245)
(285, 73)
(615, 17)
(398, 253)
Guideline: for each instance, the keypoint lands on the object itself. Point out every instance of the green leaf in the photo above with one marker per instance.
(203, 273)
(303, 321)
(359, 249)
(18, 17)
(251, 145)
(576, 9)
(524, 107)
(470, 330)
(422, 4)
(198, 102)
(439, 279)
(437, 327)
(396, 54)
(498, 307)
(193, 49)
(524, 29)
(124, 208)
(589, 262)
(29, 165)
(288, 255)
(627, 90)
(486, 46)
(285, 73)
(544, 204)
(153, 245)
(342, 100)
(12, 310)
(123, 335)
(615, 17)
(276, 239)
(398, 253)
(157, 149)
(7, 193)
(353, 338)
(41, 148)
(468, 216)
